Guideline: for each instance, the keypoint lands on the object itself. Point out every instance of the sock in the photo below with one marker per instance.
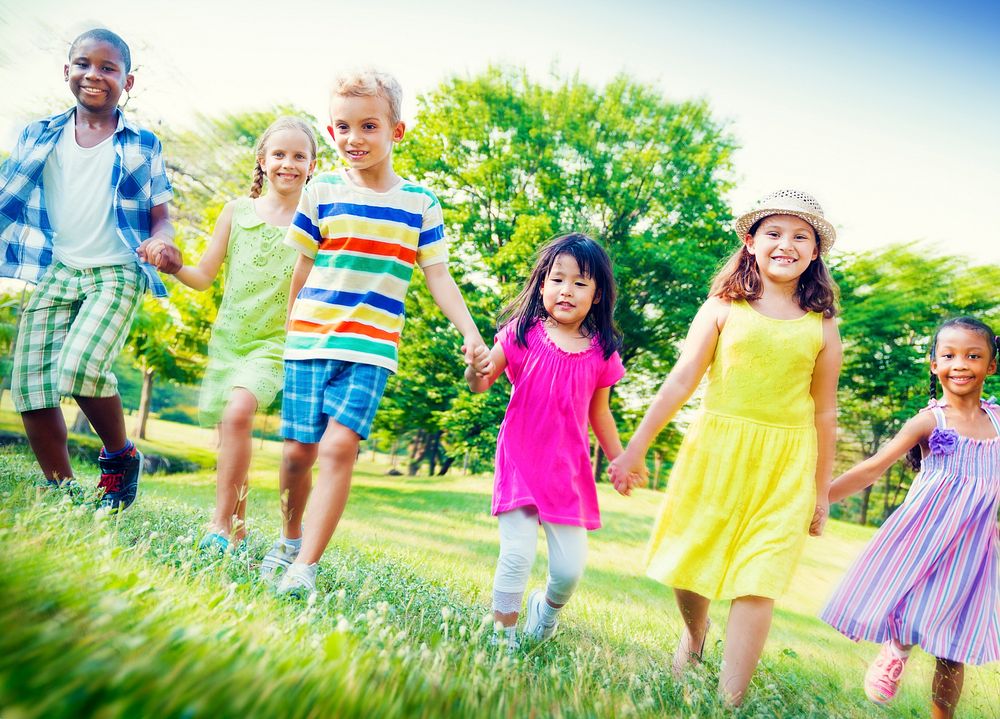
(293, 543)
(898, 650)
(111, 455)
(549, 613)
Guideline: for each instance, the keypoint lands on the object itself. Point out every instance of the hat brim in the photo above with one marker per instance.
(826, 232)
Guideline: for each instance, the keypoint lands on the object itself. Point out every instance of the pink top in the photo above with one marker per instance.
(543, 449)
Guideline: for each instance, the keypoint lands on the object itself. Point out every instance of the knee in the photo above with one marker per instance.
(513, 569)
(339, 447)
(298, 457)
(563, 581)
(237, 419)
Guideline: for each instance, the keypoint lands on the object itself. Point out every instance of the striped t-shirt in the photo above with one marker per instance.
(364, 244)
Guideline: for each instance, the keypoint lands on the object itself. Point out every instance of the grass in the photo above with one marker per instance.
(123, 618)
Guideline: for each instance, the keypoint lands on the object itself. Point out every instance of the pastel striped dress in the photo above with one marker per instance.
(930, 574)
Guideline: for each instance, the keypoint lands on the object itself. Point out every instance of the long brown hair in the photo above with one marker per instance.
(739, 279)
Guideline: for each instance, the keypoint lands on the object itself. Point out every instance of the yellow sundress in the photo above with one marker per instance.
(742, 491)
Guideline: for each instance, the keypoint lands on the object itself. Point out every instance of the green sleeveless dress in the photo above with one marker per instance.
(248, 337)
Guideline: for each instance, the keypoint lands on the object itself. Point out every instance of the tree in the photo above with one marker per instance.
(892, 300)
(515, 161)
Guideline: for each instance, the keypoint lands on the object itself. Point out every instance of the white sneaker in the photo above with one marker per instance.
(533, 625)
(298, 582)
(278, 559)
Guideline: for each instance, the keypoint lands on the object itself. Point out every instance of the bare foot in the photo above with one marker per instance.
(685, 656)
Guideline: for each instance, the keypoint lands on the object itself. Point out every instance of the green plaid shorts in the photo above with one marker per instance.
(72, 330)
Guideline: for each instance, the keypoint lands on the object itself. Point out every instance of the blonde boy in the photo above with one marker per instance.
(360, 230)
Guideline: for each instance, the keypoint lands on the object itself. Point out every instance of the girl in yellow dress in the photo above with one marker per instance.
(752, 475)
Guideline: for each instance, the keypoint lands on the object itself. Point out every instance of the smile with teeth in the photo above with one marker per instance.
(783, 260)
(960, 380)
(92, 90)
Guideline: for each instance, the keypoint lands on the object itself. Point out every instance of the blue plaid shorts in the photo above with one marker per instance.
(318, 390)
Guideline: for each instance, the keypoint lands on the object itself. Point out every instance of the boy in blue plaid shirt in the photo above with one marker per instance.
(83, 199)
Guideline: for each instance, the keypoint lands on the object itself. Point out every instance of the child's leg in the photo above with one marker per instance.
(107, 418)
(97, 334)
(35, 378)
(567, 547)
(337, 451)
(46, 432)
(295, 484)
(746, 632)
(518, 544)
(694, 612)
(946, 688)
(235, 449)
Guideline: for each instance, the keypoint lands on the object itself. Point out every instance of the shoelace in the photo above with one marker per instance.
(111, 482)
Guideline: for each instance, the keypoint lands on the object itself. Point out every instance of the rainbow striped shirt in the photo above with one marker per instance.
(364, 244)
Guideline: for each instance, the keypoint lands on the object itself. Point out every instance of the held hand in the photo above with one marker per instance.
(820, 515)
(161, 254)
(627, 465)
(477, 356)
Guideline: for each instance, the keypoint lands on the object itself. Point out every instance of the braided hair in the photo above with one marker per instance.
(285, 122)
(966, 323)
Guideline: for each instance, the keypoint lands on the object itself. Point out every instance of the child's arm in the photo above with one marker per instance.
(203, 275)
(303, 266)
(824, 395)
(449, 298)
(699, 348)
(159, 249)
(865, 474)
(606, 431)
(498, 363)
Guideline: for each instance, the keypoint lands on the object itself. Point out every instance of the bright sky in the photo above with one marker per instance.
(887, 114)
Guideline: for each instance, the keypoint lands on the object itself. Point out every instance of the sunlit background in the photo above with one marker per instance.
(886, 112)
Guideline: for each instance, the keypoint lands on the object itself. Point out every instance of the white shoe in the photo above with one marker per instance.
(298, 582)
(278, 559)
(533, 625)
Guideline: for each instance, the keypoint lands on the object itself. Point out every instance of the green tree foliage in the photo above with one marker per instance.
(515, 161)
(892, 300)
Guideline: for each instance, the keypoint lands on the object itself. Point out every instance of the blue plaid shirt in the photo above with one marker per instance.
(138, 179)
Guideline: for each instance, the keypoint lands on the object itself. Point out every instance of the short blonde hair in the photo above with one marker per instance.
(371, 83)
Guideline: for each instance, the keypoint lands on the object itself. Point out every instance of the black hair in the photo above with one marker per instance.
(527, 307)
(104, 35)
(966, 323)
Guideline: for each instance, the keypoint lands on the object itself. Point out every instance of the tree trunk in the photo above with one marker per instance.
(865, 499)
(465, 463)
(145, 403)
(598, 463)
(393, 459)
(657, 464)
(81, 425)
(433, 451)
(445, 466)
(418, 450)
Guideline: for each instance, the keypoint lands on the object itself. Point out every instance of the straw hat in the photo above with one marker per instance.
(790, 202)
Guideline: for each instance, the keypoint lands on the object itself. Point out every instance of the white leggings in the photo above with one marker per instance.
(518, 546)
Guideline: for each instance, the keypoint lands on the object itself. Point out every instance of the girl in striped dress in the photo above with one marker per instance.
(929, 576)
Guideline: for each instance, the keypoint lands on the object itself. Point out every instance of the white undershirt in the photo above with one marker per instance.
(79, 200)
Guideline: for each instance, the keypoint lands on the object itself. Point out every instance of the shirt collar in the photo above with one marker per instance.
(58, 121)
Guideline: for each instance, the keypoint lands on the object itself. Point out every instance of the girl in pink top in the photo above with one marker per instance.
(558, 345)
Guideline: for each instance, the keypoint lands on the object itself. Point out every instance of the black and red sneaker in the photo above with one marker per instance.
(119, 479)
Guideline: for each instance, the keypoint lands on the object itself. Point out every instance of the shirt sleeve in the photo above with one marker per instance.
(160, 191)
(432, 247)
(611, 371)
(304, 232)
(10, 165)
(512, 351)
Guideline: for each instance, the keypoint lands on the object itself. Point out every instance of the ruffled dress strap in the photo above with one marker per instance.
(993, 412)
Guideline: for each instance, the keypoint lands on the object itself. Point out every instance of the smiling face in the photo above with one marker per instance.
(287, 160)
(96, 75)
(783, 246)
(364, 133)
(963, 359)
(568, 294)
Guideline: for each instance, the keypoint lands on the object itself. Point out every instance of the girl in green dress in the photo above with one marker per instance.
(245, 352)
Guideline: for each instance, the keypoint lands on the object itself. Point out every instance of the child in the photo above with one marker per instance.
(82, 197)
(359, 230)
(929, 575)
(245, 367)
(558, 333)
(756, 464)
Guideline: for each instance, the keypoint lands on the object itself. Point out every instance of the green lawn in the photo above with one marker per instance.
(123, 618)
